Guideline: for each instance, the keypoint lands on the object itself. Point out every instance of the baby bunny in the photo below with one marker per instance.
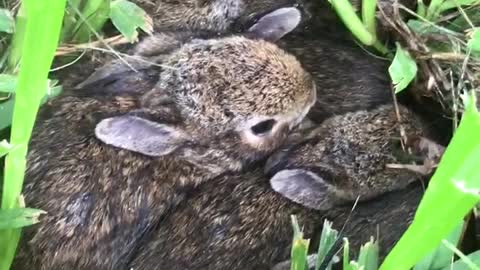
(218, 16)
(141, 71)
(240, 221)
(107, 166)
(347, 77)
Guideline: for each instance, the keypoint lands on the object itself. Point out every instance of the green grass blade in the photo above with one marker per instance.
(456, 178)
(19, 217)
(7, 24)
(299, 248)
(7, 83)
(6, 111)
(462, 256)
(465, 264)
(97, 13)
(347, 14)
(368, 257)
(368, 16)
(442, 255)
(5, 147)
(40, 41)
(18, 38)
(327, 240)
(346, 255)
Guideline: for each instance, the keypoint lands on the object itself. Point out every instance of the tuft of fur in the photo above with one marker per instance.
(102, 200)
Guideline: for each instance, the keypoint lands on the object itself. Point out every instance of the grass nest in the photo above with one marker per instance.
(443, 40)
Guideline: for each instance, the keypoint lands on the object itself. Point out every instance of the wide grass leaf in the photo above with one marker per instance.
(474, 42)
(95, 13)
(368, 257)
(461, 264)
(456, 178)
(7, 23)
(402, 70)
(327, 240)
(19, 217)
(7, 83)
(442, 255)
(127, 17)
(299, 248)
(6, 111)
(5, 147)
(38, 46)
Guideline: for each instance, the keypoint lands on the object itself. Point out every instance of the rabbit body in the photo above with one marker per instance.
(107, 166)
(240, 221)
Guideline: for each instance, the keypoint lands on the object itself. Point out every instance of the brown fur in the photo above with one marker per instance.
(347, 77)
(218, 16)
(102, 200)
(239, 222)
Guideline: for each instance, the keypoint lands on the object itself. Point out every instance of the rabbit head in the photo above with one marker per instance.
(229, 99)
(346, 158)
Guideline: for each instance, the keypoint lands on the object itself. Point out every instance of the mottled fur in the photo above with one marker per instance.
(237, 221)
(348, 78)
(101, 200)
(218, 16)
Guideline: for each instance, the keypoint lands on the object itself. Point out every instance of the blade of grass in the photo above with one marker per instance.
(299, 248)
(368, 257)
(19, 217)
(465, 264)
(38, 47)
(347, 14)
(463, 258)
(456, 178)
(17, 41)
(442, 255)
(327, 240)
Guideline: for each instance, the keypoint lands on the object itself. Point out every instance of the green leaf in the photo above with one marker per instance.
(368, 257)
(96, 13)
(474, 41)
(19, 217)
(462, 23)
(7, 83)
(6, 111)
(7, 23)
(456, 178)
(38, 45)
(402, 70)
(462, 256)
(462, 264)
(442, 255)
(299, 247)
(346, 255)
(5, 147)
(448, 4)
(6, 107)
(127, 17)
(421, 27)
(327, 240)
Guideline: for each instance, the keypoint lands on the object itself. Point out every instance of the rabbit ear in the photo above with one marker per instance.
(139, 135)
(305, 188)
(276, 24)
